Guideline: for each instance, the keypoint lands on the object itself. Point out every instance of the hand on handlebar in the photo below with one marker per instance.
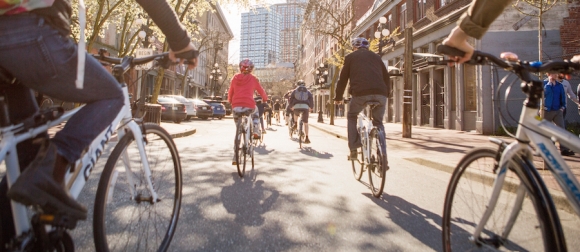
(458, 39)
(191, 63)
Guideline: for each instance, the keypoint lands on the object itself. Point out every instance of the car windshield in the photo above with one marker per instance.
(167, 100)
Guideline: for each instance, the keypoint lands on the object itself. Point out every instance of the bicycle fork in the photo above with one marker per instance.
(506, 152)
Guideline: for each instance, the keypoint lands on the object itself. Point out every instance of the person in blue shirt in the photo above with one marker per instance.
(554, 105)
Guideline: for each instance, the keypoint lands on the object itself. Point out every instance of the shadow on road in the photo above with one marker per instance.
(422, 224)
(248, 200)
(314, 153)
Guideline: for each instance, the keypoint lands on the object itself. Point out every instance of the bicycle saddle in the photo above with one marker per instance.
(372, 103)
(245, 111)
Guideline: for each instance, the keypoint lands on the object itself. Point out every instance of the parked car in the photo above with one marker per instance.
(228, 106)
(171, 109)
(202, 109)
(219, 110)
(188, 105)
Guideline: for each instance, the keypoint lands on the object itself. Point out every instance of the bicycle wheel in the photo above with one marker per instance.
(240, 150)
(125, 223)
(300, 134)
(468, 195)
(358, 165)
(377, 165)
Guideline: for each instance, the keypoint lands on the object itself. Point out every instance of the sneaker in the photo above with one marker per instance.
(567, 153)
(353, 155)
(36, 186)
(307, 141)
(263, 131)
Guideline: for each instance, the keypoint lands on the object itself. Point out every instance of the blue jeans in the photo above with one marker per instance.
(355, 106)
(45, 61)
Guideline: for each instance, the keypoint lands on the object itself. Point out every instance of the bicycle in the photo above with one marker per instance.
(144, 151)
(516, 184)
(245, 141)
(269, 119)
(372, 155)
(277, 116)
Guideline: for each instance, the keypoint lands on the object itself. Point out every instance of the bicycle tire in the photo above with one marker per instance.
(468, 185)
(112, 223)
(376, 168)
(300, 134)
(360, 161)
(240, 149)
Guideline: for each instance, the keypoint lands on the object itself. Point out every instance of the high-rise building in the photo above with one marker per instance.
(260, 38)
(291, 14)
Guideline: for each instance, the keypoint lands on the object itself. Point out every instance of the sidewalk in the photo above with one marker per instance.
(442, 149)
(176, 130)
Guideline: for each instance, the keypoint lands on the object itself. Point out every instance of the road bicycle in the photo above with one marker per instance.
(245, 141)
(138, 197)
(269, 119)
(496, 199)
(277, 116)
(372, 155)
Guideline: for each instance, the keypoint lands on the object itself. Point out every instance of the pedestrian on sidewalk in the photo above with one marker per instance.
(241, 94)
(554, 105)
(369, 81)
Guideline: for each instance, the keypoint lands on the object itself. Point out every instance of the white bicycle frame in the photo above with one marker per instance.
(540, 133)
(83, 166)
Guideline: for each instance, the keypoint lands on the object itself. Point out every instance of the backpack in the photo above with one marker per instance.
(301, 94)
(11, 7)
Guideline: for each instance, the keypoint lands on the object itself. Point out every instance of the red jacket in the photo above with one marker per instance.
(241, 93)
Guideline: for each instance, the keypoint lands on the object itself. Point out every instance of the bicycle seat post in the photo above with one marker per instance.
(4, 118)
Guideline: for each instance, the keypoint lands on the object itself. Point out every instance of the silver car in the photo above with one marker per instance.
(188, 105)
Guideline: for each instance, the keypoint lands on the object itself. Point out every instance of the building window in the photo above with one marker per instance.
(390, 22)
(403, 16)
(420, 7)
(444, 2)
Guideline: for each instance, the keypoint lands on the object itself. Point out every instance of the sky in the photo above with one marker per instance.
(233, 15)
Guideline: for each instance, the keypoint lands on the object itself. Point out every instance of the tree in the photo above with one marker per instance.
(332, 19)
(541, 7)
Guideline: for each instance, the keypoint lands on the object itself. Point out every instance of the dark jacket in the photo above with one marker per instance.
(294, 100)
(367, 74)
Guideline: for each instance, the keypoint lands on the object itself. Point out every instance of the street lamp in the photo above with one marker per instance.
(322, 74)
(145, 33)
(383, 32)
(215, 70)
(214, 76)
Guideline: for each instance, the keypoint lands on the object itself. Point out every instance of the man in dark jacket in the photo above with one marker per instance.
(369, 81)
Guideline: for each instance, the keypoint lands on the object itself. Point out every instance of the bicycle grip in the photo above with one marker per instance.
(451, 51)
(192, 54)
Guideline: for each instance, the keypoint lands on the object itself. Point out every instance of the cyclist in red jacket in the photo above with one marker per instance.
(241, 93)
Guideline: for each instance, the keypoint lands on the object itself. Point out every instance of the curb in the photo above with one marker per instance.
(559, 198)
(184, 134)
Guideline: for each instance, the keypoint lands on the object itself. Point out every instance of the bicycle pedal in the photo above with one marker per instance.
(58, 220)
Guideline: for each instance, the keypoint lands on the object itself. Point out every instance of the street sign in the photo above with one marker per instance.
(143, 52)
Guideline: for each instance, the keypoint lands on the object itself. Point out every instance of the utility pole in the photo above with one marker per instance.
(408, 85)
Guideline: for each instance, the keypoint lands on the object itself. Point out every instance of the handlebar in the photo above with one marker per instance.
(129, 62)
(519, 67)
(531, 86)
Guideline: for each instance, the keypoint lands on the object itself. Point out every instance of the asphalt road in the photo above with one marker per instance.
(297, 199)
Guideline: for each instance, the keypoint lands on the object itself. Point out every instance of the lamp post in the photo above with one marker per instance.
(214, 76)
(215, 70)
(383, 32)
(147, 38)
(322, 74)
